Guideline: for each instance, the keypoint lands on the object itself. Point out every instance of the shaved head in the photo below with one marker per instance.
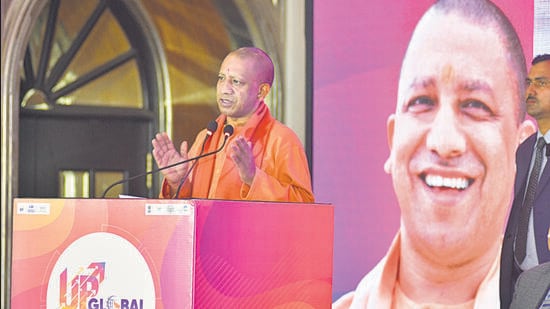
(262, 62)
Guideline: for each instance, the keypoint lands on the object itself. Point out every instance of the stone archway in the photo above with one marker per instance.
(19, 18)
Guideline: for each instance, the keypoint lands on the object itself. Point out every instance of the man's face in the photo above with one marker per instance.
(538, 93)
(237, 90)
(453, 138)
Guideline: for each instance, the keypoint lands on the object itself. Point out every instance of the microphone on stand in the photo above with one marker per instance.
(210, 129)
(228, 131)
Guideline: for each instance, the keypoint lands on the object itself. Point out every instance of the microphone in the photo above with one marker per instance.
(227, 130)
(210, 129)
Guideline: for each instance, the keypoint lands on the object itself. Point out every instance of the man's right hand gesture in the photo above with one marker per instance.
(166, 154)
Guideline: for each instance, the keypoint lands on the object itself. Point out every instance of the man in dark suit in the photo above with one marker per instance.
(532, 288)
(526, 237)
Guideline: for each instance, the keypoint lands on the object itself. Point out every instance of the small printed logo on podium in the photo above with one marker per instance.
(80, 291)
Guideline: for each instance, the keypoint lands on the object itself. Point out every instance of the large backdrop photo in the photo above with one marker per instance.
(358, 48)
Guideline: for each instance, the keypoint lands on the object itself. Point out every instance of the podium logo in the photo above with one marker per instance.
(101, 271)
(83, 286)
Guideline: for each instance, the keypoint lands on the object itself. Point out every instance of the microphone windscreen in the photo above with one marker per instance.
(228, 130)
(212, 127)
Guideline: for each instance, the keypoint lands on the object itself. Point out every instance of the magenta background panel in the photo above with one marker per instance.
(357, 51)
(263, 255)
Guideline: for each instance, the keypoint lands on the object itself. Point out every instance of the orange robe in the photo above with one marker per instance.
(282, 172)
(380, 289)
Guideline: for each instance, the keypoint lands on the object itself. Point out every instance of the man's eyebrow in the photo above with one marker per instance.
(468, 85)
(422, 82)
(231, 76)
(475, 85)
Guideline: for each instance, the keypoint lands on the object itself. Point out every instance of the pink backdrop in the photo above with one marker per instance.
(357, 53)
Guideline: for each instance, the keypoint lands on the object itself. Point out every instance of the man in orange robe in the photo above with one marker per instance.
(263, 160)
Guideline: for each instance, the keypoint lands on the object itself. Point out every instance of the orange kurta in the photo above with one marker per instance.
(380, 289)
(282, 172)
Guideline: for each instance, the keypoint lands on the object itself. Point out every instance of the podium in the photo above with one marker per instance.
(149, 253)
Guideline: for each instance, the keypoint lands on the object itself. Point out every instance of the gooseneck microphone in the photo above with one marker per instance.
(227, 130)
(210, 129)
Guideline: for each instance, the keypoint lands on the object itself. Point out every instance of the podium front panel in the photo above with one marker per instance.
(148, 253)
(91, 253)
